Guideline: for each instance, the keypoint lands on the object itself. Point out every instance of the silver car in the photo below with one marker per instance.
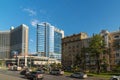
(79, 75)
(57, 72)
(115, 78)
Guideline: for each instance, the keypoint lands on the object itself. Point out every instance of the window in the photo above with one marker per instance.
(117, 54)
(116, 37)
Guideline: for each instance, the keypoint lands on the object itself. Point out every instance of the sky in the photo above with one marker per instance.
(72, 16)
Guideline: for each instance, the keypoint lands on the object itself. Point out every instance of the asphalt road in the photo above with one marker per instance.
(9, 77)
(14, 75)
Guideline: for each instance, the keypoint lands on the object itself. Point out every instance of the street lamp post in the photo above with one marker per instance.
(15, 55)
(30, 61)
(72, 60)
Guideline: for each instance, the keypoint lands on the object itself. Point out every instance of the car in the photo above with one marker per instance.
(56, 72)
(42, 71)
(115, 78)
(14, 68)
(79, 75)
(34, 75)
(24, 71)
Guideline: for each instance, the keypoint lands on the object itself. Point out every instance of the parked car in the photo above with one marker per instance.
(11, 68)
(15, 68)
(24, 71)
(115, 78)
(34, 75)
(42, 71)
(57, 72)
(79, 75)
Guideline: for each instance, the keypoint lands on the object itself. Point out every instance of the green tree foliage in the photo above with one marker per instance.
(96, 47)
(78, 59)
(81, 59)
(56, 66)
(117, 68)
(0, 63)
(83, 51)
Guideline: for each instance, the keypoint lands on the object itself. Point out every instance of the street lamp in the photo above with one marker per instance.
(15, 55)
(72, 59)
(30, 61)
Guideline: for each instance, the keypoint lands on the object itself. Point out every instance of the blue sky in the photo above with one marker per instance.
(72, 16)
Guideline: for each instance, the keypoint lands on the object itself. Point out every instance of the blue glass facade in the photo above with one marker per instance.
(41, 37)
(57, 41)
(49, 41)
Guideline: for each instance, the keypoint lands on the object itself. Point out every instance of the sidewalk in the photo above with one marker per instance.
(4, 68)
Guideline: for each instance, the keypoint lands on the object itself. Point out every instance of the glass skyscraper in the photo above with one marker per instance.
(49, 41)
(19, 40)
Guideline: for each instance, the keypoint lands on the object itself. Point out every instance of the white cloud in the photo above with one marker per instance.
(30, 11)
(34, 22)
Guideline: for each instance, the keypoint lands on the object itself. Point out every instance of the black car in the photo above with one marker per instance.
(34, 75)
(42, 71)
(23, 72)
(56, 72)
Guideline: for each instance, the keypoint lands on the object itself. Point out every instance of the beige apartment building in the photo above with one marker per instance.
(72, 45)
(115, 56)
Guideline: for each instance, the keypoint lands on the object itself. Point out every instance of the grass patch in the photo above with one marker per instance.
(106, 76)
(102, 75)
(67, 73)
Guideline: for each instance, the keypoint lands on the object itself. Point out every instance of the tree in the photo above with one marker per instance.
(56, 66)
(78, 59)
(81, 58)
(96, 47)
(0, 63)
(83, 55)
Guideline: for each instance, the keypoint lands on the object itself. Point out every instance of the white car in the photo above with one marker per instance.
(115, 78)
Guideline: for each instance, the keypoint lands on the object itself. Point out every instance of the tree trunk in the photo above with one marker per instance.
(98, 63)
